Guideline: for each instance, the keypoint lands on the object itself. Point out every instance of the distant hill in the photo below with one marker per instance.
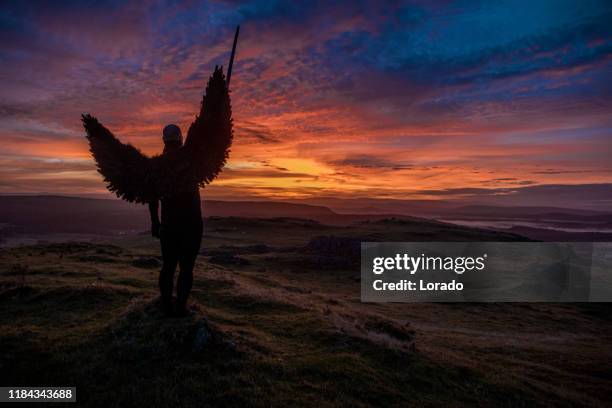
(447, 209)
(481, 211)
(42, 214)
(70, 214)
(60, 214)
(265, 209)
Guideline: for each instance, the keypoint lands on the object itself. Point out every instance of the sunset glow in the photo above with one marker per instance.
(384, 99)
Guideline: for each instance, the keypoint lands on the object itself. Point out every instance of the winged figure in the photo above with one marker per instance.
(172, 178)
(134, 177)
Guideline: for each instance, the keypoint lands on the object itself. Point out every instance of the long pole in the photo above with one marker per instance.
(229, 70)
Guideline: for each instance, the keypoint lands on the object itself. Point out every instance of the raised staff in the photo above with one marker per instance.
(231, 63)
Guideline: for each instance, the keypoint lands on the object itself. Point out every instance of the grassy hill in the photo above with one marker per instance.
(278, 321)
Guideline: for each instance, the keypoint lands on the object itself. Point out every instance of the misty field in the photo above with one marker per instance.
(278, 321)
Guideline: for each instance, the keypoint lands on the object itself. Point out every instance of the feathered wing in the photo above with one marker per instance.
(126, 171)
(210, 136)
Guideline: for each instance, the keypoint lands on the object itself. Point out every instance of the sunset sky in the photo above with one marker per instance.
(355, 99)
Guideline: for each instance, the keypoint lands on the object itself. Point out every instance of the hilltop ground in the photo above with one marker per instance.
(278, 321)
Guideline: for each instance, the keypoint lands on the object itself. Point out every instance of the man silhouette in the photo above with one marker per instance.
(174, 178)
(180, 233)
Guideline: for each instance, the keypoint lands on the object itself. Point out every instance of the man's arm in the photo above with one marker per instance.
(153, 207)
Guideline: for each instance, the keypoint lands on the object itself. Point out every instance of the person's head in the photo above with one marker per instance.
(173, 138)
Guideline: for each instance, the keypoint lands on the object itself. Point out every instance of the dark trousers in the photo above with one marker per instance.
(178, 246)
